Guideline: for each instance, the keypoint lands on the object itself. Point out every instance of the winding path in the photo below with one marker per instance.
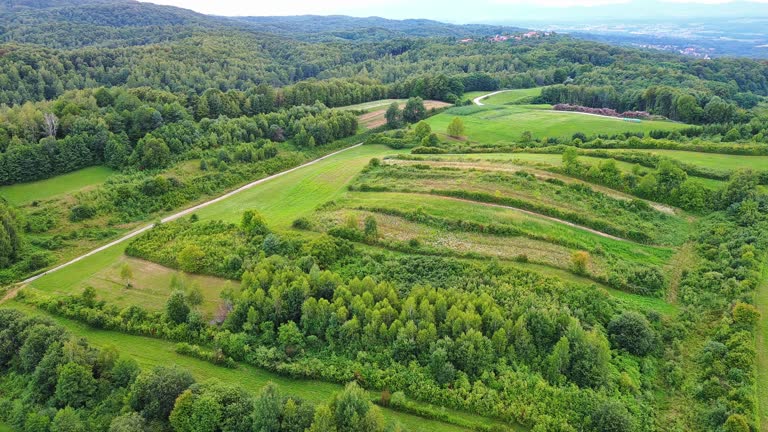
(478, 100)
(12, 292)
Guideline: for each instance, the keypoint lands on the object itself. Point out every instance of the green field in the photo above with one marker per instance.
(540, 245)
(24, 193)
(286, 198)
(150, 352)
(280, 200)
(150, 284)
(503, 125)
(714, 161)
(5, 428)
(510, 97)
(450, 208)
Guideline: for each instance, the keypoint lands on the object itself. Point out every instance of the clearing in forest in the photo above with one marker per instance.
(25, 193)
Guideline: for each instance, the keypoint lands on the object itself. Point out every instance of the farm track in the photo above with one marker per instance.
(13, 291)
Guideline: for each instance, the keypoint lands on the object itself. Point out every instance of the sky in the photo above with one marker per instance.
(475, 11)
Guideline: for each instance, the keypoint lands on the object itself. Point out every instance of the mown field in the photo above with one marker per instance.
(25, 193)
(501, 125)
(126, 281)
(714, 161)
(510, 97)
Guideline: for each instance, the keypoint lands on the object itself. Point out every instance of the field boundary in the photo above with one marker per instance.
(11, 293)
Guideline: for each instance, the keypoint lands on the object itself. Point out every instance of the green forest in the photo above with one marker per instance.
(305, 224)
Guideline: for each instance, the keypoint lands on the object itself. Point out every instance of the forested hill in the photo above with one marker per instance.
(68, 24)
(50, 47)
(338, 27)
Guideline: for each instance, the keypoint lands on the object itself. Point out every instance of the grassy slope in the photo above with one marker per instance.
(447, 208)
(283, 200)
(280, 200)
(24, 193)
(761, 301)
(718, 162)
(152, 352)
(512, 96)
(557, 160)
(501, 125)
(150, 284)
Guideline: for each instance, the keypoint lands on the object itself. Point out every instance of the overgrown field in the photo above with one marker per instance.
(576, 203)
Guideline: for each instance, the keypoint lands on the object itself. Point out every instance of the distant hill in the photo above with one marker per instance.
(63, 23)
(368, 29)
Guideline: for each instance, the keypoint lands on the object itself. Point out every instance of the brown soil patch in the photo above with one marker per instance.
(378, 118)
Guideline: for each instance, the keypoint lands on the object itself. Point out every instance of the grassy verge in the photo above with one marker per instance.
(151, 352)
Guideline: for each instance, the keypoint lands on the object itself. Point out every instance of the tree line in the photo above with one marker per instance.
(55, 382)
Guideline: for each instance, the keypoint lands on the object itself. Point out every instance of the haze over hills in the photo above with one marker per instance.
(701, 30)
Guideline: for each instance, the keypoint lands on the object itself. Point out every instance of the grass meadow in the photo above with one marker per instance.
(501, 125)
(511, 97)
(714, 161)
(25, 193)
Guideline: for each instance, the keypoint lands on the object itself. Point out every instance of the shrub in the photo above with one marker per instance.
(580, 262)
(191, 258)
(81, 212)
(612, 416)
(632, 332)
(302, 223)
